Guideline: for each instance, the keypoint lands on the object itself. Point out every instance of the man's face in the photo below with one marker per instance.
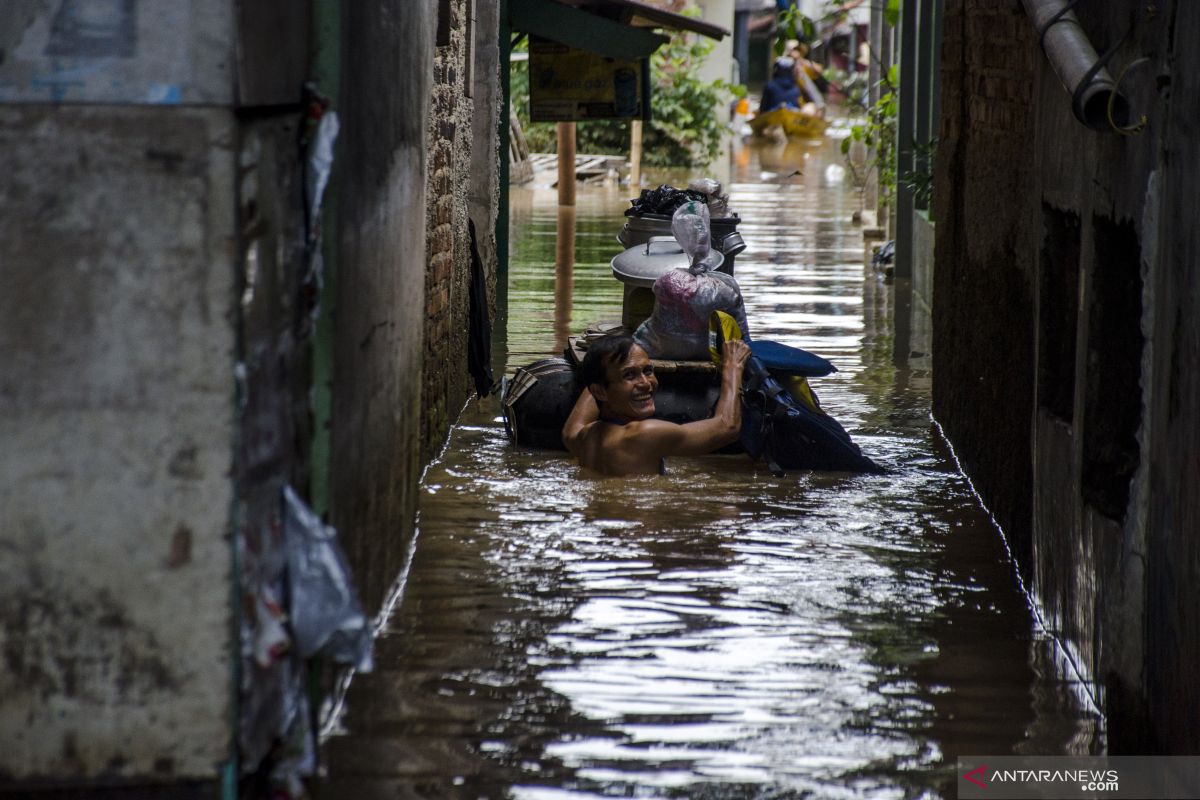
(629, 388)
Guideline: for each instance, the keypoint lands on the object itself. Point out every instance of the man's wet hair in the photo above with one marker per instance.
(612, 348)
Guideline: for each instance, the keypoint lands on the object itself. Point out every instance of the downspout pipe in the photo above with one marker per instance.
(1078, 66)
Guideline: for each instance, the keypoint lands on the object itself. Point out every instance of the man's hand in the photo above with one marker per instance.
(734, 355)
(704, 436)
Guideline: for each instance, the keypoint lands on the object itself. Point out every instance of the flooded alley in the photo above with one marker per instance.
(714, 632)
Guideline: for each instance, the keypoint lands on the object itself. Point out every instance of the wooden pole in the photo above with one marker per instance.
(564, 268)
(635, 153)
(566, 163)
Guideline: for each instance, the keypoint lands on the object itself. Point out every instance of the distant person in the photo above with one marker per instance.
(781, 91)
(808, 75)
(806, 68)
(611, 430)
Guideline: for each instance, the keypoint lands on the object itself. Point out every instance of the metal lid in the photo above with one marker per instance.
(643, 264)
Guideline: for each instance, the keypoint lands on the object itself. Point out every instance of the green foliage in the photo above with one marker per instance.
(920, 181)
(684, 130)
(891, 13)
(878, 132)
(791, 24)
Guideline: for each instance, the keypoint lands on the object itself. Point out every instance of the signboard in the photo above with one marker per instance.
(569, 85)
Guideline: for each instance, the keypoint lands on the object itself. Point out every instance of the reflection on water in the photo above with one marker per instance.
(716, 631)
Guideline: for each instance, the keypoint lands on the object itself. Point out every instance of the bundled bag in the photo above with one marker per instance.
(683, 299)
(783, 424)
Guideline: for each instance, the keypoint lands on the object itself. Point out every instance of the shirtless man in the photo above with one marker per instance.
(611, 431)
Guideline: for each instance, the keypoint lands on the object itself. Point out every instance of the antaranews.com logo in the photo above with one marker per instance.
(1068, 777)
(1088, 780)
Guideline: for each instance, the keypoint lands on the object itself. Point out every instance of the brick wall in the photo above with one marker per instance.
(446, 381)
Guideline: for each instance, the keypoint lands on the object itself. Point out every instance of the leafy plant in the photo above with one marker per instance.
(791, 24)
(891, 13)
(920, 181)
(878, 132)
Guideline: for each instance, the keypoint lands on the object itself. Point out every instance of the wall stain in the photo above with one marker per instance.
(61, 646)
(181, 547)
(186, 463)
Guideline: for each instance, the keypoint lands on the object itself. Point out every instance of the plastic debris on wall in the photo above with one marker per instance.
(326, 615)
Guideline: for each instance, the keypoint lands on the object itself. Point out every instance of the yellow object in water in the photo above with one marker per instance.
(723, 328)
(796, 124)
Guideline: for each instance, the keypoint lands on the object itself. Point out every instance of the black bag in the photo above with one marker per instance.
(786, 434)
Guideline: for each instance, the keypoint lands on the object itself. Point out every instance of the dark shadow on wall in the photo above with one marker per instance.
(1058, 311)
(1112, 407)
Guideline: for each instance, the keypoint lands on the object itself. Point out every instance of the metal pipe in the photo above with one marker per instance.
(1092, 88)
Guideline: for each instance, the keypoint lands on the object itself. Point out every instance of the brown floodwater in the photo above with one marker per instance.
(714, 632)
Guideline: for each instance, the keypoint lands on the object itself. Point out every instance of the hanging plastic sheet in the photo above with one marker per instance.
(325, 612)
(320, 161)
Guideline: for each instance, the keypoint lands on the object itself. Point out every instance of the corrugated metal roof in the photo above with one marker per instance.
(643, 14)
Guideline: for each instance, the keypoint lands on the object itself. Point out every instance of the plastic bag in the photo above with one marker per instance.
(691, 228)
(662, 200)
(718, 203)
(684, 299)
(323, 606)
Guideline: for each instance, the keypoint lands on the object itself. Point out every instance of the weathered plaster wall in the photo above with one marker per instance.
(1171, 437)
(446, 382)
(1103, 226)
(380, 296)
(1086, 213)
(117, 299)
(160, 52)
(484, 191)
(983, 284)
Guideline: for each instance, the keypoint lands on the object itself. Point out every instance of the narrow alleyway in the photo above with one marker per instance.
(714, 632)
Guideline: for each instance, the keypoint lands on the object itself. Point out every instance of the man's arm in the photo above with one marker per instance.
(706, 435)
(583, 414)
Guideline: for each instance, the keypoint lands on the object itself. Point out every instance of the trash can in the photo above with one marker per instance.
(640, 228)
(639, 266)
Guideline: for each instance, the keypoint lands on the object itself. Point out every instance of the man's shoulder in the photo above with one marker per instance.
(645, 429)
(633, 428)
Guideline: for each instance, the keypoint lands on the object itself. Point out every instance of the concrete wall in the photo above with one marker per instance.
(118, 315)
(1103, 245)
(387, 58)
(983, 284)
(720, 65)
(484, 190)
(134, 52)
(117, 301)
(1166, 499)
(156, 351)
